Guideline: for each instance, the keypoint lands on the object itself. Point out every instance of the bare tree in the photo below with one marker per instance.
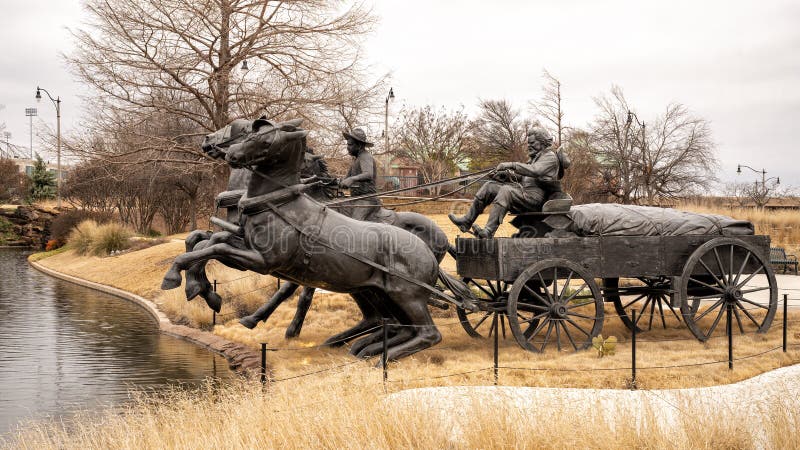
(672, 157)
(183, 58)
(549, 106)
(499, 133)
(437, 141)
(584, 178)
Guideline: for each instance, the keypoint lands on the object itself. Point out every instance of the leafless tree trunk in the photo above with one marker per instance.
(437, 141)
(499, 134)
(673, 156)
(549, 106)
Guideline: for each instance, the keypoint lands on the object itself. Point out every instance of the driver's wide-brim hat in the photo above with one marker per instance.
(357, 134)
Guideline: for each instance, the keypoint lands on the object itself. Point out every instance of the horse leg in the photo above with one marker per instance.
(263, 313)
(303, 304)
(372, 345)
(195, 237)
(412, 301)
(371, 319)
(196, 280)
(249, 259)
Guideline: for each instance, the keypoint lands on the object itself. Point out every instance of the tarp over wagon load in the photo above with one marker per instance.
(599, 219)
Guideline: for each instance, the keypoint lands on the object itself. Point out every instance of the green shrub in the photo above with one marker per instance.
(82, 236)
(604, 347)
(110, 237)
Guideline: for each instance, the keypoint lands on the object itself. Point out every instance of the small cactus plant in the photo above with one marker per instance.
(604, 347)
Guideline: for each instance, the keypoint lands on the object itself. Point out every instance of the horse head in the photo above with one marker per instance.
(276, 149)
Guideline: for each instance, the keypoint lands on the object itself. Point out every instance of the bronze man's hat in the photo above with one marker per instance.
(359, 135)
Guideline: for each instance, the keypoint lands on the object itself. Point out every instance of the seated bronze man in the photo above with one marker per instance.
(517, 187)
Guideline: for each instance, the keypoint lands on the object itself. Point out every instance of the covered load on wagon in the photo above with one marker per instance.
(596, 219)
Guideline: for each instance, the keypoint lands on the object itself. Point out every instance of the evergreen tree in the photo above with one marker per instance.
(43, 182)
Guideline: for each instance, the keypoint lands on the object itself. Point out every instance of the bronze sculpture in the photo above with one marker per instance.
(388, 271)
(517, 187)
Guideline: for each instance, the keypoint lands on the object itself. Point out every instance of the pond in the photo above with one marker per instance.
(64, 348)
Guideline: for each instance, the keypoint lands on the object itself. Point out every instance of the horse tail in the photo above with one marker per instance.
(458, 288)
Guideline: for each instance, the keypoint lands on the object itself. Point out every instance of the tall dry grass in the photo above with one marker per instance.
(347, 409)
(99, 240)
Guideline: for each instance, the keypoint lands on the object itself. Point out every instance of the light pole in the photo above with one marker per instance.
(763, 173)
(57, 103)
(386, 120)
(31, 113)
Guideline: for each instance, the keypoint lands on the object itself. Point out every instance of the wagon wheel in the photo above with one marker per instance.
(493, 297)
(555, 302)
(649, 296)
(727, 273)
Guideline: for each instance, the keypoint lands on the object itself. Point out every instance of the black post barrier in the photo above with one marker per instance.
(263, 362)
(496, 347)
(785, 313)
(385, 355)
(213, 312)
(633, 350)
(729, 329)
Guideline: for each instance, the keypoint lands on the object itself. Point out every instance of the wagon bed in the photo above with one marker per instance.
(547, 289)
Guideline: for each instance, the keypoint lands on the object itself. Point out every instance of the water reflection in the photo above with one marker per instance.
(64, 347)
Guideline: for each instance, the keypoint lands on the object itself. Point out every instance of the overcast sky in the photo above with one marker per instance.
(735, 63)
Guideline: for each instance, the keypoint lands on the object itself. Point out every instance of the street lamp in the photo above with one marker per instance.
(763, 173)
(386, 120)
(57, 104)
(31, 113)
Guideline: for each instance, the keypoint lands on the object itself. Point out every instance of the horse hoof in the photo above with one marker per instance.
(193, 290)
(248, 322)
(214, 301)
(171, 280)
(292, 332)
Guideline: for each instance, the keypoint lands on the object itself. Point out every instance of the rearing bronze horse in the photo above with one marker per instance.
(290, 235)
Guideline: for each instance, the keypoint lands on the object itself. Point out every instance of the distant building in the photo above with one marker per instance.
(26, 166)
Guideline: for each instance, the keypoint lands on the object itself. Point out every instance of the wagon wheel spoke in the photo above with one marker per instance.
(582, 316)
(661, 311)
(482, 320)
(753, 303)
(748, 291)
(674, 313)
(578, 327)
(749, 316)
(536, 317)
(730, 266)
(575, 294)
(558, 335)
(711, 272)
(741, 268)
(566, 284)
(544, 288)
(527, 306)
(716, 288)
(547, 335)
(503, 324)
(569, 336)
(738, 320)
(750, 277)
(714, 325)
(531, 334)
(488, 294)
(535, 294)
(643, 311)
(705, 313)
(634, 301)
(556, 297)
(652, 313)
(722, 274)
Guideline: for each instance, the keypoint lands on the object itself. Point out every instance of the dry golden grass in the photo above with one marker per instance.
(783, 226)
(347, 409)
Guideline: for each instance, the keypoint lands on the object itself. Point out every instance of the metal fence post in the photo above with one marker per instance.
(385, 355)
(729, 329)
(785, 313)
(263, 362)
(496, 347)
(633, 350)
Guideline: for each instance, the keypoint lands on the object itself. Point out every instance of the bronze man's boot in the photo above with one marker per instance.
(464, 222)
(495, 219)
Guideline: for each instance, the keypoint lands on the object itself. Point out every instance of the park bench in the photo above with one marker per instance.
(778, 257)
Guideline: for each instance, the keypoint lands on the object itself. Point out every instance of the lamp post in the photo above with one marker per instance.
(386, 120)
(763, 173)
(31, 113)
(57, 104)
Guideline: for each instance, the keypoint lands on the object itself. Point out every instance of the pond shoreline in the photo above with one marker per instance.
(241, 358)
